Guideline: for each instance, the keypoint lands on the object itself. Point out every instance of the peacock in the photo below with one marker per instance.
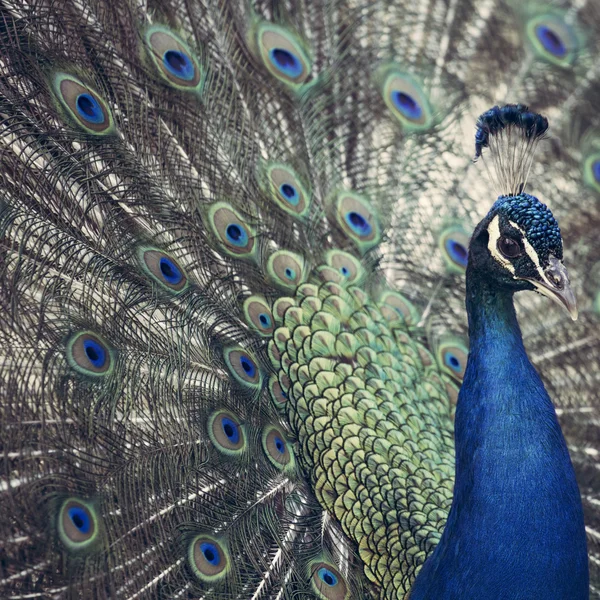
(260, 333)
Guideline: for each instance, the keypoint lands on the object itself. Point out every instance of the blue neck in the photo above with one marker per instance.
(515, 529)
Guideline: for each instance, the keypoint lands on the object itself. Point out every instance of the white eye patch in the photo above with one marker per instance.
(494, 235)
(533, 255)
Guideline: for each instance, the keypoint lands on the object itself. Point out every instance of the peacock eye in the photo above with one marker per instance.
(510, 248)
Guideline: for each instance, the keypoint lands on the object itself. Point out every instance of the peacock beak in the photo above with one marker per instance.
(555, 284)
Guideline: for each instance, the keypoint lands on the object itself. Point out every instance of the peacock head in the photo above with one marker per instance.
(519, 245)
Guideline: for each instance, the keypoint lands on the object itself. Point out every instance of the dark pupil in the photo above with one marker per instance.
(406, 101)
(228, 429)
(93, 356)
(246, 366)
(328, 579)
(279, 445)
(357, 220)
(288, 273)
(209, 555)
(510, 247)
(287, 190)
(263, 319)
(234, 232)
(78, 521)
(553, 40)
(166, 269)
(175, 60)
(284, 58)
(596, 169)
(460, 250)
(454, 361)
(86, 105)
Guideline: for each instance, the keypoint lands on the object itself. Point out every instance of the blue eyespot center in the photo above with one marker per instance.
(358, 223)
(290, 273)
(279, 444)
(551, 41)
(452, 362)
(95, 353)
(211, 553)
(265, 319)
(236, 234)
(179, 64)
(80, 518)
(290, 193)
(327, 577)
(286, 62)
(89, 109)
(596, 170)
(231, 430)
(170, 271)
(407, 105)
(248, 366)
(457, 251)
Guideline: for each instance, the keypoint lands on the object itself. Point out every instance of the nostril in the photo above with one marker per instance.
(556, 279)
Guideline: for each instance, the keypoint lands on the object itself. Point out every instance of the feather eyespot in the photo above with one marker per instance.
(407, 101)
(243, 367)
(83, 105)
(258, 315)
(552, 39)
(234, 235)
(89, 354)
(358, 220)
(287, 190)
(286, 269)
(407, 105)
(454, 245)
(591, 171)
(346, 264)
(173, 58)
(328, 582)
(509, 248)
(401, 306)
(457, 251)
(358, 223)
(208, 558)
(277, 448)
(226, 433)
(89, 109)
(163, 269)
(452, 361)
(282, 54)
(77, 524)
(290, 193)
(452, 354)
(596, 170)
